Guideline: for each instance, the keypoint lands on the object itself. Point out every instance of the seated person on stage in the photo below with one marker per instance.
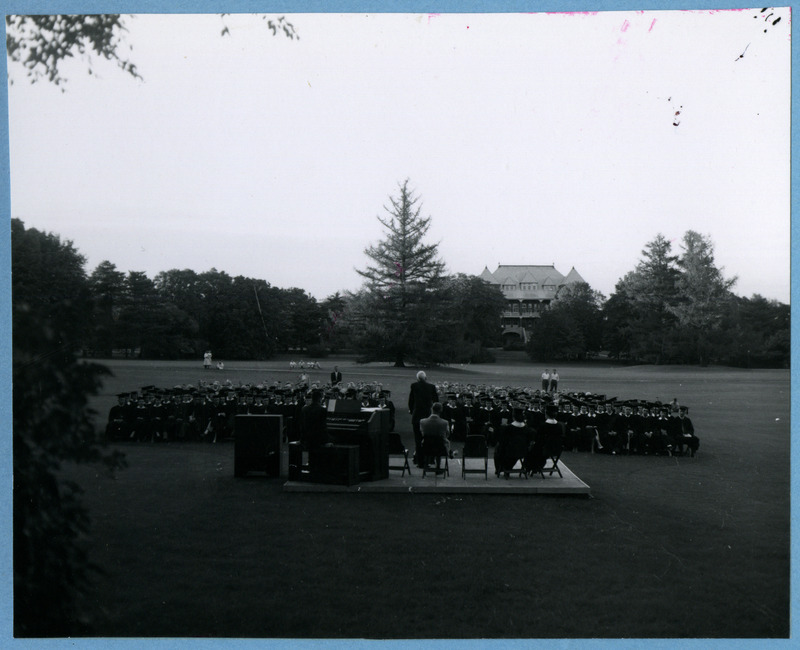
(313, 423)
(513, 443)
(548, 441)
(385, 402)
(435, 426)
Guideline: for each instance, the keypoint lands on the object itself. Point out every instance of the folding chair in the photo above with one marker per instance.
(475, 447)
(554, 457)
(433, 450)
(397, 448)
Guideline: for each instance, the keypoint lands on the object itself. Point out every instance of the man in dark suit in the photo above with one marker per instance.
(336, 376)
(435, 426)
(420, 399)
(313, 423)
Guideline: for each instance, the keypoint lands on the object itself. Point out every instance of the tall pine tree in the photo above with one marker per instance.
(703, 296)
(401, 278)
(651, 291)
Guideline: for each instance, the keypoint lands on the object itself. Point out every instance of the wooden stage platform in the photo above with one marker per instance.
(570, 484)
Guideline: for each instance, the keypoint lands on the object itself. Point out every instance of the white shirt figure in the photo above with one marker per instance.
(207, 359)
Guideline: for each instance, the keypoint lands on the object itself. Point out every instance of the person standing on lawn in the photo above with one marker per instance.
(554, 381)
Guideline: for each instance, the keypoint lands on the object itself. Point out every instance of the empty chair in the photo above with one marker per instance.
(475, 447)
(433, 450)
(397, 448)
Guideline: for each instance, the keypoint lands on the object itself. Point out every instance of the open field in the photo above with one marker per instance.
(667, 547)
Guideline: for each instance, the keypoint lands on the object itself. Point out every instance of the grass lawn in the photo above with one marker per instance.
(666, 547)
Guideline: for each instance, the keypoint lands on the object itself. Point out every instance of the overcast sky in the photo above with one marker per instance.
(529, 138)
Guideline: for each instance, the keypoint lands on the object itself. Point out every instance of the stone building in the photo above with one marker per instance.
(529, 290)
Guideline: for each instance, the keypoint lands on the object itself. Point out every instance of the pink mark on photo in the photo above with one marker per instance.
(652, 25)
(571, 13)
(625, 26)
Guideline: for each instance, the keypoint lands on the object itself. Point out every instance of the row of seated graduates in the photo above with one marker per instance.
(207, 411)
(592, 422)
(369, 394)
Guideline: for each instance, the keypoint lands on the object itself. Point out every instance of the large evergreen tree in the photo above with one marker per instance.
(703, 293)
(401, 279)
(651, 290)
(680, 309)
(107, 286)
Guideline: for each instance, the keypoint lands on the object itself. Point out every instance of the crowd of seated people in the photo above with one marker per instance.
(207, 411)
(591, 422)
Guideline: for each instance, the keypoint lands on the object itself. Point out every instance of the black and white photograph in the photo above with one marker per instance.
(337, 326)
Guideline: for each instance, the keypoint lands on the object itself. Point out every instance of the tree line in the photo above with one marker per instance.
(669, 309)
(180, 313)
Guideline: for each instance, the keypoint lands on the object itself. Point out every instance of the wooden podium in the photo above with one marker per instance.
(260, 445)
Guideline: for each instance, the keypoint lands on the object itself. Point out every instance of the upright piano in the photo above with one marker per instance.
(350, 424)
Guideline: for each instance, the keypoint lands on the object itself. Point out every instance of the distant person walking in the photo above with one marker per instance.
(546, 380)
(207, 359)
(421, 398)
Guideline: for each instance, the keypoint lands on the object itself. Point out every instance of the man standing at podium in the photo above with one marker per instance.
(420, 399)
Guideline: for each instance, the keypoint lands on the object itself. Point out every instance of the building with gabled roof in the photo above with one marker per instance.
(529, 290)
